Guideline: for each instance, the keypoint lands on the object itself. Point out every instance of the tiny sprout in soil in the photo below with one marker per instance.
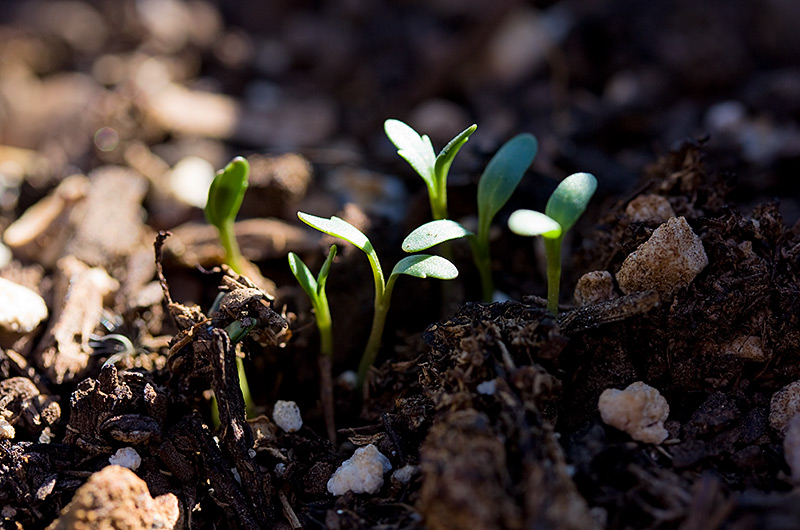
(564, 208)
(419, 265)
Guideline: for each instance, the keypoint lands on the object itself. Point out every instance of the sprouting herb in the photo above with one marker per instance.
(419, 265)
(224, 200)
(418, 152)
(564, 208)
(315, 289)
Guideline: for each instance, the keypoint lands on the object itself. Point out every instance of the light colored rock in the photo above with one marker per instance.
(487, 388)
(190, 179)
(784, 405)
(668, 261)
(362, 473)
(649, 209)
(639, 410)
(286, 415)
(748, 347)
(126, 457)
(21, 311)
(405, 473)
(115, 498)
(791, 446)
(594, 287)
(7, 431)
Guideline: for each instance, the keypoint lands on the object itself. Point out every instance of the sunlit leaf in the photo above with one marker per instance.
(338, 228)
(433, 233)
(531, 223)
(415, 149)
(325, 269)
(570, 198)
(446, 156)
(303, 275)
(424, 266)
(502, 175)
(227, 191)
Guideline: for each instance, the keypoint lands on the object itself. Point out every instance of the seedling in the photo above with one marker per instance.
(564, 208)
(418, 152)
(224, 200)
(497, 184)
(419, 265)
(315, 289)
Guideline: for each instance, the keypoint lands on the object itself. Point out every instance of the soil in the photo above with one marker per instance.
(491, 409)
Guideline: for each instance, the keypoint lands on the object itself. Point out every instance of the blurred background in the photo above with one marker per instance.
(606, 86)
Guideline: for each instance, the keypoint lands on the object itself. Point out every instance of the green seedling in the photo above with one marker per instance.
(418, 152)
(225, 197)
(315, 289)
(564, 208)
(224, 200)
(418, 265)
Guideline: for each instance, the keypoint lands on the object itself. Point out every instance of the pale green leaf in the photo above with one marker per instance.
(325, 269)
(570, 198)
(502, 175)
(424, 266)
(338, 228)
(415, 149)
(433, 233)
(226, 192)
(303, 275)
(446, 156)
(531, 223)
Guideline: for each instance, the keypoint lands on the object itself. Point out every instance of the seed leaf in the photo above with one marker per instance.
(502, 175)
(338, 228)
(570, 198)
(303, 275)
(325, 269)
(415, 149)
(446, 156)
(433, 233)
(227, 191)
(424, 266)
(531, 223)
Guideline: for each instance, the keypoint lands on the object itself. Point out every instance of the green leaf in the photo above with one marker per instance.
(226, 192)
(322, 278)
(415, 149)
(502, 175)
(446, 156)
(303, 275)
(338, 228)
(424, 266)
(531, 223)
(433, 233)
(570, 198)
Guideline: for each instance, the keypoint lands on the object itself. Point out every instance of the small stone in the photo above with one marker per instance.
(784, 405)
(649, 209)
(405, 473)
(668, 261)
(362, 473)
(286, 415)
(115, 497)
(21, 311)
(7, 431)
(487, 388)
(639, 410)
(594, 287)
(791, 446)
(126, 457)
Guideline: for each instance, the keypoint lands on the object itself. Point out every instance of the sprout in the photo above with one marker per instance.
(565, 206)
(224, 200)
(419, 265)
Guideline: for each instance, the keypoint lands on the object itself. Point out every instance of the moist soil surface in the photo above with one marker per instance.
(487, 412)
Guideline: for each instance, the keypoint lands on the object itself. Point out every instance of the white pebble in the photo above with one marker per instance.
(639, 410)
(649, 209)
(669, 260)
(405, 473)
(361, 473)
(21, 309)
(594, 287)
(785, 404)
(7, 431)
(487, 388)
(791, 446)
(286, 415)
(126, 457)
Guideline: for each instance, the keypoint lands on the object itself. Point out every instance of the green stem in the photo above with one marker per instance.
(552, 248)
(438, 200)
(323, 318)
(374, 341)
(233, 255)
(483, 262)
(249, 404)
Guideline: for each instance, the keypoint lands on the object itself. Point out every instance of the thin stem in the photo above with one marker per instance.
(374, 341)
(232, 253)
(552, 248)
(249, 404)
(323, 318)
(438, 199)
(483, 262)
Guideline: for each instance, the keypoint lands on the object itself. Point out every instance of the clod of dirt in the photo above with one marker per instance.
(115, 498)
(639, 410)
(594, 287)
(649, 208)
(7, 431)
(361, 473)
(286, 415)
(24, 407)
(126, 457)
(784, 405)
(669, 260)
(21, 311)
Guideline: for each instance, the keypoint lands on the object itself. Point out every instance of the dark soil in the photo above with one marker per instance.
(695, 103)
